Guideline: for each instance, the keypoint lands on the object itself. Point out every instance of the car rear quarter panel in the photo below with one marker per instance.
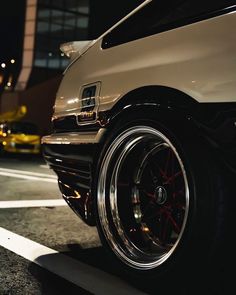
(198, 59)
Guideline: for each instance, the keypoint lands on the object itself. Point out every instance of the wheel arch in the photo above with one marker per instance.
(160, 96)
(160, 99)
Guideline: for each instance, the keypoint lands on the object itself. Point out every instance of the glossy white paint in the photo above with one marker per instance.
(76, 48)
(198, 59)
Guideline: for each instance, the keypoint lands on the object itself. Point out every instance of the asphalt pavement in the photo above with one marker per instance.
(44, 247)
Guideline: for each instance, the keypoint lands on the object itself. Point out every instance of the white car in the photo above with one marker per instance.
(144, 137)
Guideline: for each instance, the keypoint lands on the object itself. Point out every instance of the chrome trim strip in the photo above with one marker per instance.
(74, 137)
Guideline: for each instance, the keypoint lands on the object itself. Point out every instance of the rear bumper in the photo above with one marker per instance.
(73, 157)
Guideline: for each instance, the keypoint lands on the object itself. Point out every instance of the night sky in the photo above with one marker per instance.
(12, 13)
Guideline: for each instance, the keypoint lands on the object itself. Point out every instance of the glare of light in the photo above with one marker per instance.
(8, 84)
(73, 100)
(136, 215)
(4, 134)
(12, 61)
(132, 230)
(145, 229)
(77, 195)
(3, 65)
(62, 54)
(10, 79)
(4, 143)
(50, 54)
(58, 160)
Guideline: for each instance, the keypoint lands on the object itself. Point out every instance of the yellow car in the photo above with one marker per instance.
(19, 137)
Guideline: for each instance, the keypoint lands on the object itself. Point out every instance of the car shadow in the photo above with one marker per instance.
(52, 271)
(98, 259)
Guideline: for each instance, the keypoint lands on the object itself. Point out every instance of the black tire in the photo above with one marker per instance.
(163, 224)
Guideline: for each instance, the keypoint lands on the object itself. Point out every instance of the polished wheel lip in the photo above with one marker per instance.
(126, 253)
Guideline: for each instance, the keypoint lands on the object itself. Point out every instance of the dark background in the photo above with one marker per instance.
(12, 14)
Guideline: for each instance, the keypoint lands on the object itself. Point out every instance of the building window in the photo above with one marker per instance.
(59, 22)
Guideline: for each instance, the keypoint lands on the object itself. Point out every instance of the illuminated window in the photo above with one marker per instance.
(58, 22)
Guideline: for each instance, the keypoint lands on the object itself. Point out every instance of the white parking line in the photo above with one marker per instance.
(44, 166)
(27, 173)
(22, 176)
(32, 203)
(84, 276)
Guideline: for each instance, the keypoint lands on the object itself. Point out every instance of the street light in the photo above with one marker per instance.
(3, 65)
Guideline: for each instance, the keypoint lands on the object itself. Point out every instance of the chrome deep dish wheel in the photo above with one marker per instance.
(143, 197)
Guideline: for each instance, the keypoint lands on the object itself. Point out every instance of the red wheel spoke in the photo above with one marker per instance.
(174, 223)
(171, 178)
(180, 192)
(171, 219)
(170, 166)
(176, 200)
(160, 170)
(150, 195)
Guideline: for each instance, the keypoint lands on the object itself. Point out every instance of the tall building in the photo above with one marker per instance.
(48, 24)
